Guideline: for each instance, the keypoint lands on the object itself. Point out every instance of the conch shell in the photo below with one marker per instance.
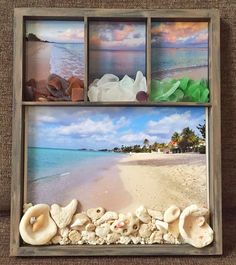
(36, 226)
(193, 227)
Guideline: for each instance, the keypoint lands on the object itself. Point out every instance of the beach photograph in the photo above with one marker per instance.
(116, 48)
(117, 158)
(179, 49)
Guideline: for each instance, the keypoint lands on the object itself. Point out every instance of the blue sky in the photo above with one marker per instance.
(100, 127)
(57, 31)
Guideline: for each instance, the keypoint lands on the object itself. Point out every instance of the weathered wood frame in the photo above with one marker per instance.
(213, 125)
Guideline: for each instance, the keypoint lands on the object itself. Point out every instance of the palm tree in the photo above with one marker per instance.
(175, 137)
(202, 129)
(146, 142)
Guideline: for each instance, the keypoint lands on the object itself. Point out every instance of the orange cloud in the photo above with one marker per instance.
(120, 35)
(95, 41)
(174, 31)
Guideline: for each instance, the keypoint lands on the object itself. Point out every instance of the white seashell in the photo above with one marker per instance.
(43, 228)
(193, 228)
(106, 217)
(63, 215)
(79, 219)
(171, 214)
(156, 237)
(162, 226)
(26, 206)
(112, 238)
(124, 240)
(136, 239)
(144, 230)
(74, 236)
(155, 214)
(90, 227)
(95, 213)
(103, 230)
(143, 215)
(56, 239)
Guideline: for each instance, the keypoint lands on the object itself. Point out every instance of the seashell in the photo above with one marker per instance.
(106, 217)
(173, 228)
(79, 219)
(193, 228)
(112, 238)
(26, 206)
(136, 239)
(156, 237)
(41, 230)
(171, 214)
(162, 226)
(74, 236)
(155, 214)
(95, 213)
(124, 240)
(56, 239)
(103, 230)
(143, 215)
(90, 227)
(144, 230)
(63, 215)
(131, 222)
(64, 231)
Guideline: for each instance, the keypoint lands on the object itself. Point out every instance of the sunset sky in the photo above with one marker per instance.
(179, 34)
(117, 35)
(57, 31)
(105, 127)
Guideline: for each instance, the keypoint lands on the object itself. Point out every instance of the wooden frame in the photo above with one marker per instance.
(214, 127)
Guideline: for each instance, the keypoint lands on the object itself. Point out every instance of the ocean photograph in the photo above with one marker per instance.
(117, 48)
(117, 157)
(179, 49)
(54, 47)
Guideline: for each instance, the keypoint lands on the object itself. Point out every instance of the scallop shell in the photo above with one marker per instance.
(193, 228)
(171, 214)
(63, 215)
(41, 230)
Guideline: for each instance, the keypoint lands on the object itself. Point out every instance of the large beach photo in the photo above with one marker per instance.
(117, 158)
(54, 52)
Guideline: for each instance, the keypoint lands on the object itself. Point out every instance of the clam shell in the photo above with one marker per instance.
(171, 214)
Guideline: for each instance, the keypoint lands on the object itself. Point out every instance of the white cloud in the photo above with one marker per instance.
(137, 137)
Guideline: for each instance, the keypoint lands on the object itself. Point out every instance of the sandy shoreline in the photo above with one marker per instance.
(159, 180)
(38, 56)
(154, 180)
(196, 73)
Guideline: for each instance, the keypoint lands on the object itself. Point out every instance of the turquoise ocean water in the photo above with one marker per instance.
(47, 163)
(169, 60)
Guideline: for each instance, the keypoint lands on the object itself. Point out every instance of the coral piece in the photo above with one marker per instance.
(143, 215)
(126, 224)
(162, 226)
(36, 226)
(124, 240)
(64, 231)
(89, 237)
(171, 214)
(170, 239)
(193, 227)
(144, 230)
(95, 213)
(74, 236)
(63, 215)
(112, 238)
(106, 217)
(90, 227)
(102, 230)
(110, 88)
(155, 214)
(156, 237)
(136, 239)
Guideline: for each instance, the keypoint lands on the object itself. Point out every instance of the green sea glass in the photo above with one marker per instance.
(184, 89)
